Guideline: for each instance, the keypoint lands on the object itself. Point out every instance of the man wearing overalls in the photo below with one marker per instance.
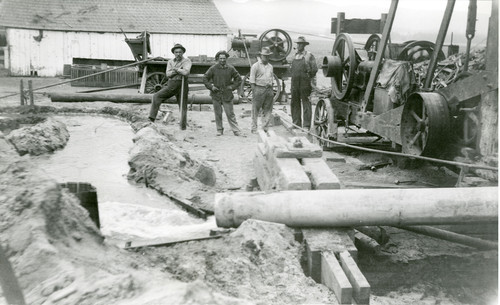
(303, 72)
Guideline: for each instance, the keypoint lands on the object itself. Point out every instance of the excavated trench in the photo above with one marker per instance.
(97, 152)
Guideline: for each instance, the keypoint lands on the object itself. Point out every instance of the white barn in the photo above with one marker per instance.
(44, 35)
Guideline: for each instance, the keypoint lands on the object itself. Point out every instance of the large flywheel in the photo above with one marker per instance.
(278, 41)
(418, 51)
(344, 55)
(425, 124)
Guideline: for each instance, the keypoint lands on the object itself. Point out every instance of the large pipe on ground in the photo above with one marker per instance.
(125, 98)
(367, 207)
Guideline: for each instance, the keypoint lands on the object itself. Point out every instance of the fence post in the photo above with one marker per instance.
(21, 88)
(30, 88)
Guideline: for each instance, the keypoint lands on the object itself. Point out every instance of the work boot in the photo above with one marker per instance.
(219, 133)
(151, 119)
(237, 133)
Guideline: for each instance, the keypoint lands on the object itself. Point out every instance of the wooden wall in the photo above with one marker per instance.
(44, 53)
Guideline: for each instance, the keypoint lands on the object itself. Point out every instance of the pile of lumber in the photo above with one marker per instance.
(293, 164)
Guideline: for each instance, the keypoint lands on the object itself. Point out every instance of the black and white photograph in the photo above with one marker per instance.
(249, 152)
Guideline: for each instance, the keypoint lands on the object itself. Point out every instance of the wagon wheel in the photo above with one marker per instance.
(246, 89)
(371, 46)
(344, 50)
(278, 41)
(154, 82)
(418, 51)
(324, 122)
(425, 124)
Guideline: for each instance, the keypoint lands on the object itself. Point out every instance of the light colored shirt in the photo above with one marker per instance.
(184, 66)
(261, 75)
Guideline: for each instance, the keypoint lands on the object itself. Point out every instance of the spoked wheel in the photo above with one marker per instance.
(154, 82)
(324, 123)
(418, 51)
(371, 46)
(425, 124)
(246, 89)
(278, 41)
(343, 81)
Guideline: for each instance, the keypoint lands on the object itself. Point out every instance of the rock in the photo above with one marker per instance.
(205, 174)
(44, 137)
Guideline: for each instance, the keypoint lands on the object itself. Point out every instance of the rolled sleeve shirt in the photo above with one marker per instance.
(261, 75)
(226, 78)
(184, 66)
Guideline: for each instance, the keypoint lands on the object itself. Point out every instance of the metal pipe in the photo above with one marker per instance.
(453, 237)
(353, 208)
(470, 30)
(380, 51)
(125, 98)
(439, 43)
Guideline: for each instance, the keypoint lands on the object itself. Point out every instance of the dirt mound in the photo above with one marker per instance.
(162, 165)
(260, 261)
(41, 138)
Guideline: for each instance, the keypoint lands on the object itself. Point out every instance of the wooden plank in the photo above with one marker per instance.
(162, 242)
(361, 287)
(264, 177)
(322, 178)
(333, 277)
(289, 174)
(320, 240)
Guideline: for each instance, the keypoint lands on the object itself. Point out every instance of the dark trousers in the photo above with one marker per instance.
(300, 103)
(172, 88)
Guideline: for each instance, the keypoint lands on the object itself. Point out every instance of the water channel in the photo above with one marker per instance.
(97, 153)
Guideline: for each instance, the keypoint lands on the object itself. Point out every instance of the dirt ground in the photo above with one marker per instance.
(60, 257)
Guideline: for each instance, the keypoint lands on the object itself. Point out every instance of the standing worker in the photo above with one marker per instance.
(177, 72)
(222, 79)
(303, 72)
(261, 81)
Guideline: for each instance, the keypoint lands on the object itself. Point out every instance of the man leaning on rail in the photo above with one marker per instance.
(177, 69)
(222, 79)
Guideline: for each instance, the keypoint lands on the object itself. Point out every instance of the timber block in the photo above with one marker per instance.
(289, 174)
(308, 150)
(333, 157)
(285, 119)
(322, 177)
(262, 172)
(361, 287)
(335, 240)
(333, 277)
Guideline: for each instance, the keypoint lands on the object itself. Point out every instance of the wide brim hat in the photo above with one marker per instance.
(265, 51)
(178, 46)
(301, 39)
(221, 53)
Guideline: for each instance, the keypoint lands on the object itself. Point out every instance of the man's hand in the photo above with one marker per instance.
(215, 89)
(230, 88)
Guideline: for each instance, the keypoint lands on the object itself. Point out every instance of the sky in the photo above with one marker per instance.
(415, 19)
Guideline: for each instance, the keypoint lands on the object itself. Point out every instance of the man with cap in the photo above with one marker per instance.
(261, 81)
(303, 72)
(222, 79)
(177, 69)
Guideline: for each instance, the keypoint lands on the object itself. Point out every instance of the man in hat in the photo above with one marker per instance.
(303, 72)
(222, 79)
(261, 81)
(177, 69)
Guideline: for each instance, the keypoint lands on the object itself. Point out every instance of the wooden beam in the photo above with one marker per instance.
(333, 277)
(360, 286)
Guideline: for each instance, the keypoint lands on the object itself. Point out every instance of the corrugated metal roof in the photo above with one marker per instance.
(156, 16)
